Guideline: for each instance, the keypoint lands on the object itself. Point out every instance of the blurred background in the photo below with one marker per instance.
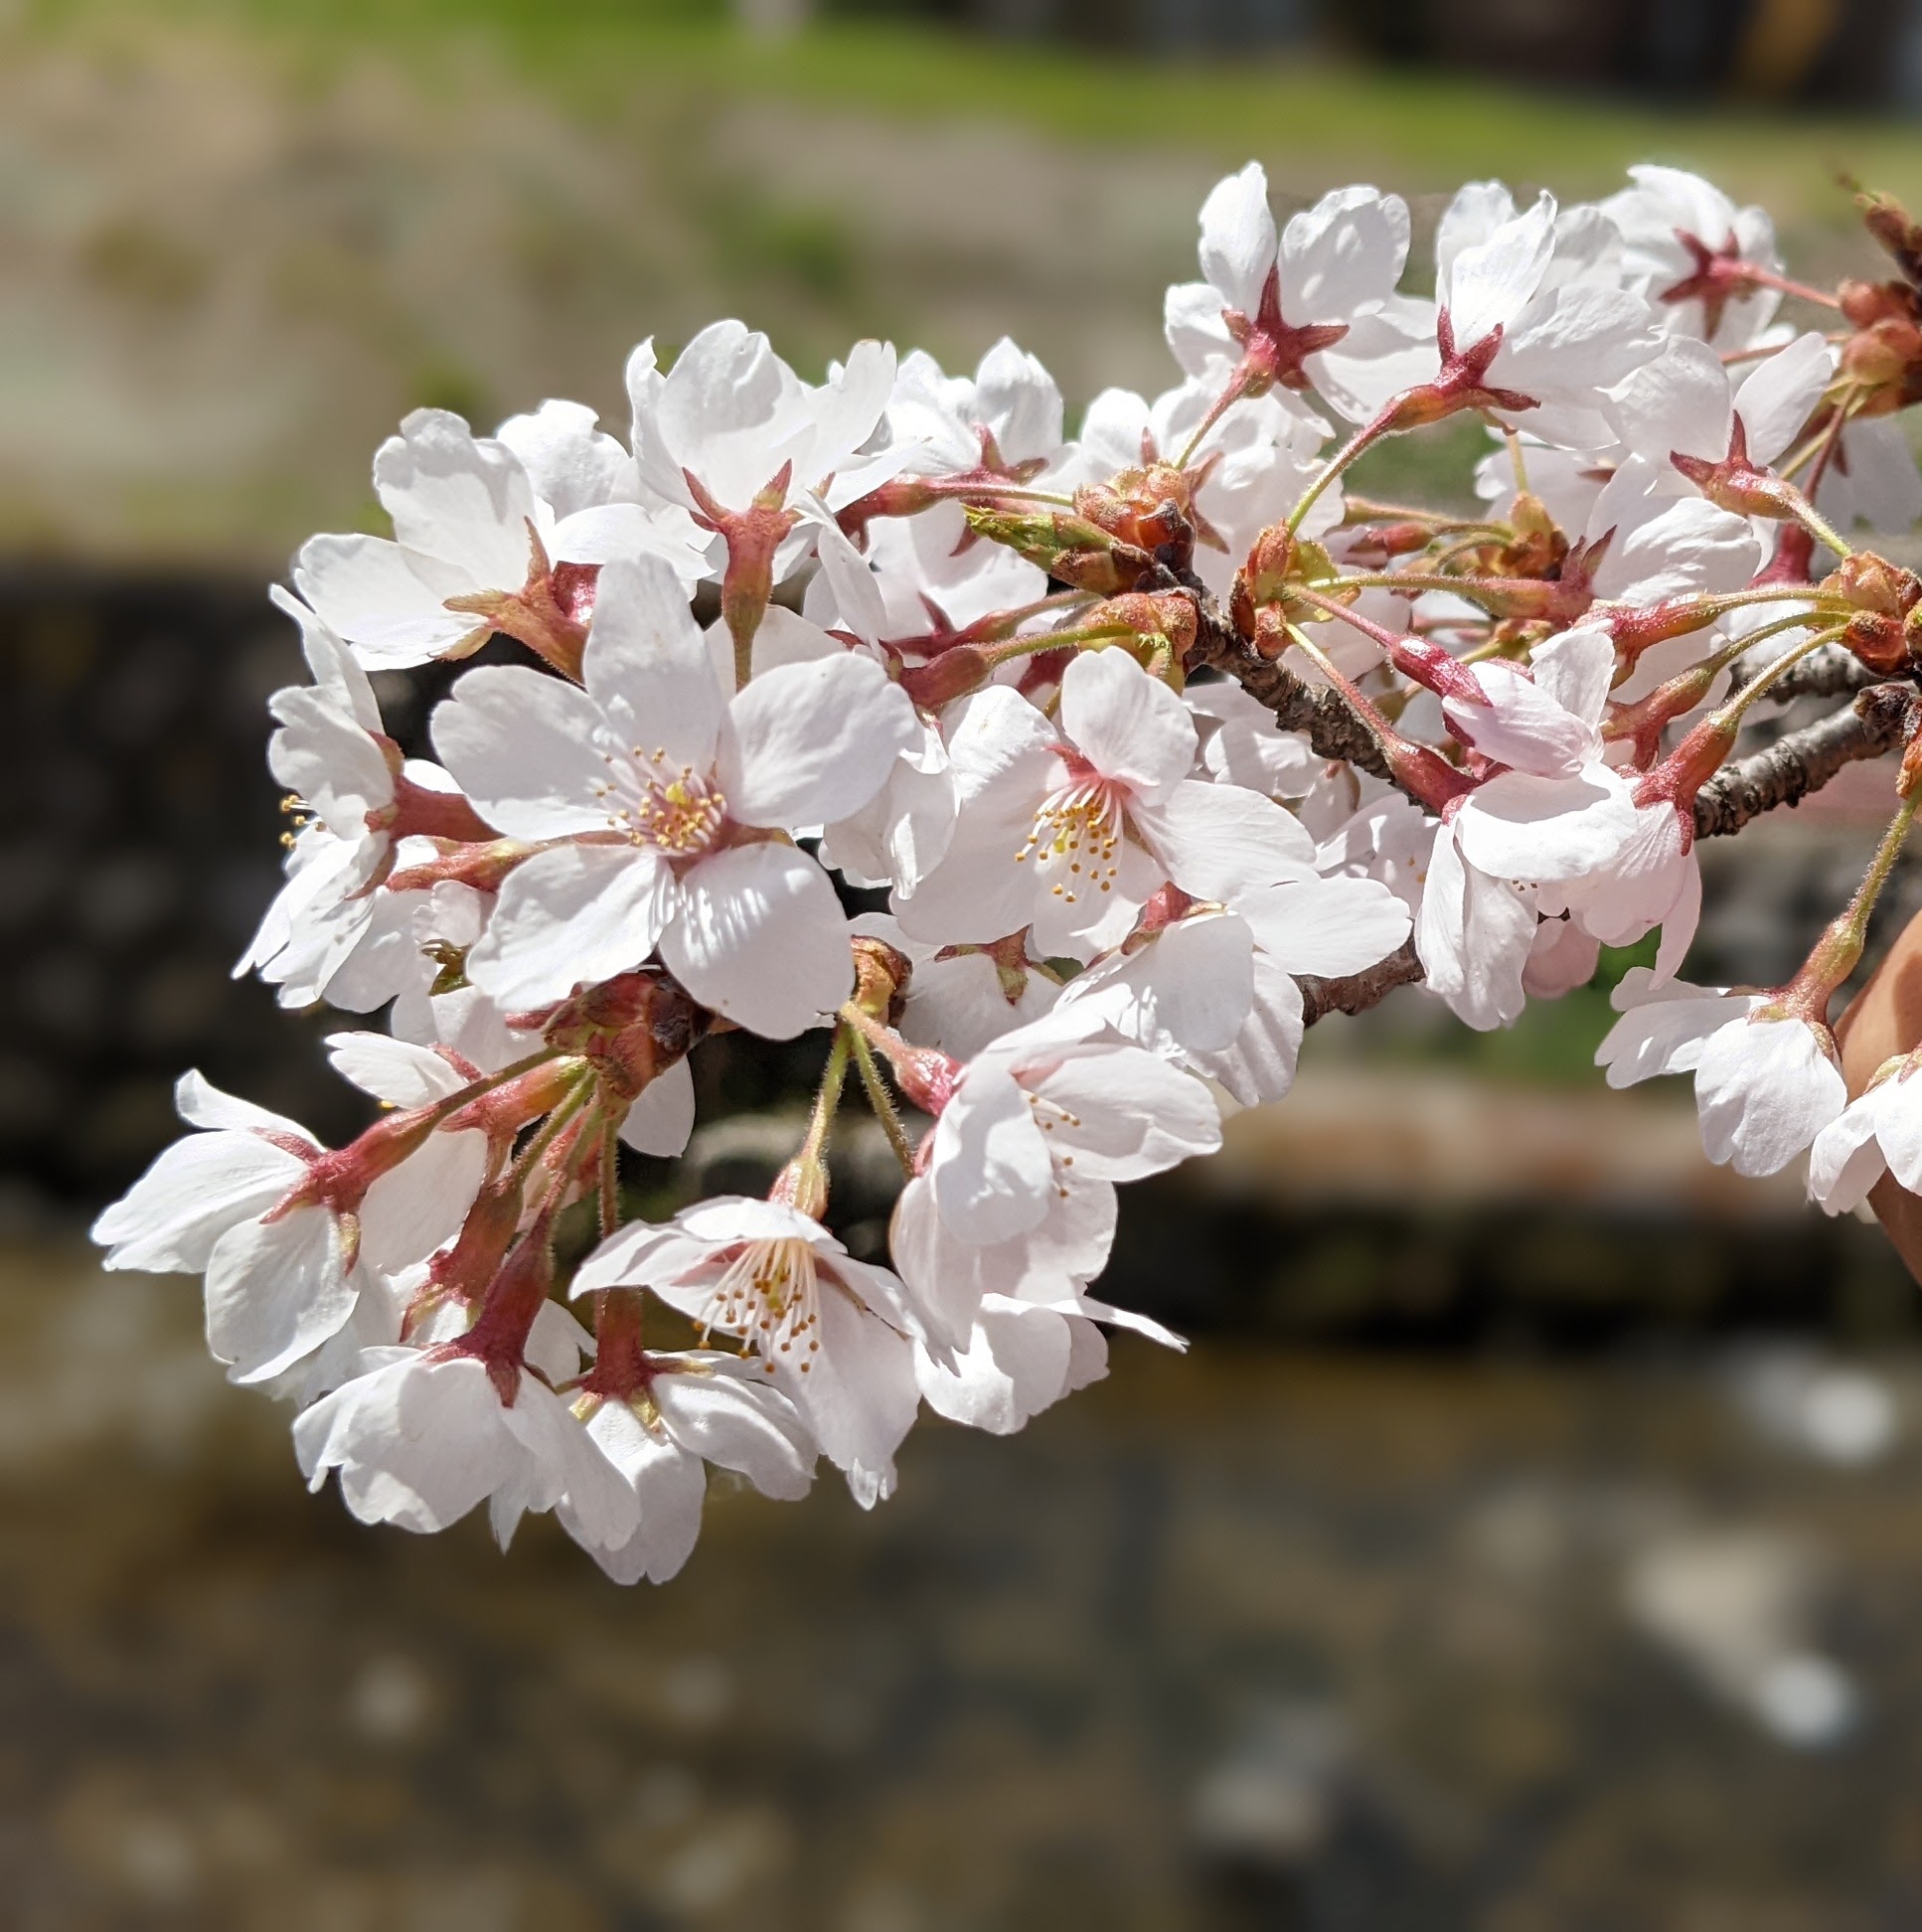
(1533, 1537)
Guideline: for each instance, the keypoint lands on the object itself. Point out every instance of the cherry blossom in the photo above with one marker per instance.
(1055, 787)
(653, 796)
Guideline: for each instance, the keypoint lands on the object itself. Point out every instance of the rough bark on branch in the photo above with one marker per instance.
(1356, 992)
(1830, 671)
(1318, 712)
(1803, 761)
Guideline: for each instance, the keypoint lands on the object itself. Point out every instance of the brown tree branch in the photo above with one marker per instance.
(1318, 712)
(1803, 762)
(1830, 671)
(1356, 992)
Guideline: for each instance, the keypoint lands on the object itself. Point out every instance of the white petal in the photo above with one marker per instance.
(646, 664)
(1328, 926)
(1130, 727)
(389, 601)
(1218, 840)
(570, 917)
(740, 1424)
(527, 751)
(453, 497)
(991, 1171)
(275, 1290)
(1239, 238)
(195, 1191)
(809, 743)
(760, 938)
(1129, 1114)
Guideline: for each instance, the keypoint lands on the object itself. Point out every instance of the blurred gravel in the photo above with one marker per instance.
(1249, 1640)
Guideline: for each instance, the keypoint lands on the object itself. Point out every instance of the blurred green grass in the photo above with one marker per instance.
(1424, 129)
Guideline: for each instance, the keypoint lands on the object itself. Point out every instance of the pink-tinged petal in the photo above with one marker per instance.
(1522, 826)
(569, 917)
(1239, 238)
(195, 1192)
(275, 1291)
(760, 938)
(453, 497)
(646, 666)
(1328, 926)
(1218, 840)
(1015, 1363)
(809, 743)
(1575, 669)
(1562, 959)
(1764, 1089)
(662, 1116)
(389, 603)
(1520, 724)
(1122, 1113)
(735, 1420)
(528, 750)
(858, 1396)
(1128, 724)
(990, 1171)
(1846, 1159)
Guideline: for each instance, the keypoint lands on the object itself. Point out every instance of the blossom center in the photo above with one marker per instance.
(1077, 831)
(675, 810)
(770, 1297)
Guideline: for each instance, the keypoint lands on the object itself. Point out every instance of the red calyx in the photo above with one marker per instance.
(497, 1339)
(1735, 483)
(1720, 276)
(1274, 352)
(1461, 385)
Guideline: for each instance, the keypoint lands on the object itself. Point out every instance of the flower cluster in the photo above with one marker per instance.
(1157, 741)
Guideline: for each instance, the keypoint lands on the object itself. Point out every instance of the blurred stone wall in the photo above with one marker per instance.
(139, 846)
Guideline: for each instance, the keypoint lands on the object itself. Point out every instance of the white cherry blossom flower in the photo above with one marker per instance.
(691, 1409)
(831, 1332)
(1684, 244)
(1322, 298)
(1766, 1082)
(1878, 1133)
(421, 1436)
(1069, 828)
(467, 517)
(656, 795)
(1054, 1105)
(1546, 338)
(281, 1230)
